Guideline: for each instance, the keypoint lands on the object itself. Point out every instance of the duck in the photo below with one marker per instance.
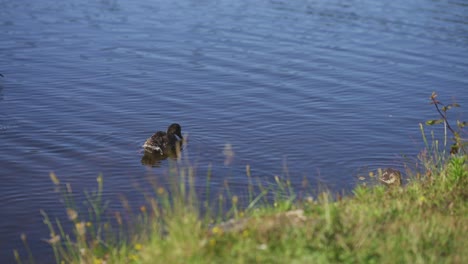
(164, 142)
(391, 177)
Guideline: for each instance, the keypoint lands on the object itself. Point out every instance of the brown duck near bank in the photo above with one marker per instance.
(164, 142)
(391, 177)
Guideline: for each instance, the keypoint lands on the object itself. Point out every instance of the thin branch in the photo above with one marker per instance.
(443, 115)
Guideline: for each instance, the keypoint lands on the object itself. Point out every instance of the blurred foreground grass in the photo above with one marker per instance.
(422, 222)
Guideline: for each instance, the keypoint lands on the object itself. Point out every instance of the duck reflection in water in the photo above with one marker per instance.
(163, 145)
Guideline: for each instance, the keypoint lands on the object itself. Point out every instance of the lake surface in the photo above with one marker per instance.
(321, 90)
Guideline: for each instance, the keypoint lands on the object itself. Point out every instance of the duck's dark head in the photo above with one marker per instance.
(175, 129)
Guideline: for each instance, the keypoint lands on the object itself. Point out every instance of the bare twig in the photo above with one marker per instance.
(443, 115)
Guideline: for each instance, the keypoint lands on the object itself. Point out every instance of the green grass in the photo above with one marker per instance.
(422, 222)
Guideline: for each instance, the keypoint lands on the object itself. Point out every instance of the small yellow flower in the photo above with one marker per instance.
(241, 214)
(217, 230)
(138, 247)
(161, 191)
(371, 174)
(245, 233)
(133, 257)
(80, 228)
(143, 209)
(72, 214)
(98, 261)
(421, 200)
(89, 224)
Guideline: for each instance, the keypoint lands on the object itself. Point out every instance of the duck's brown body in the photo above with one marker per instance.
(164, 142)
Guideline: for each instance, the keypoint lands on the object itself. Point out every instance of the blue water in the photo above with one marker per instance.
(316, 90)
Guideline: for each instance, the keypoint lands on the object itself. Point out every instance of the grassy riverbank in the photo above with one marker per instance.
(423, 221)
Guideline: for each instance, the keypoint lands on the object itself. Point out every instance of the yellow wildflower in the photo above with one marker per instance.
(72, 214)
(216, 230)
(80, 228)
(161, 191)
(98, 261)
(421, 200)
(138, 247)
